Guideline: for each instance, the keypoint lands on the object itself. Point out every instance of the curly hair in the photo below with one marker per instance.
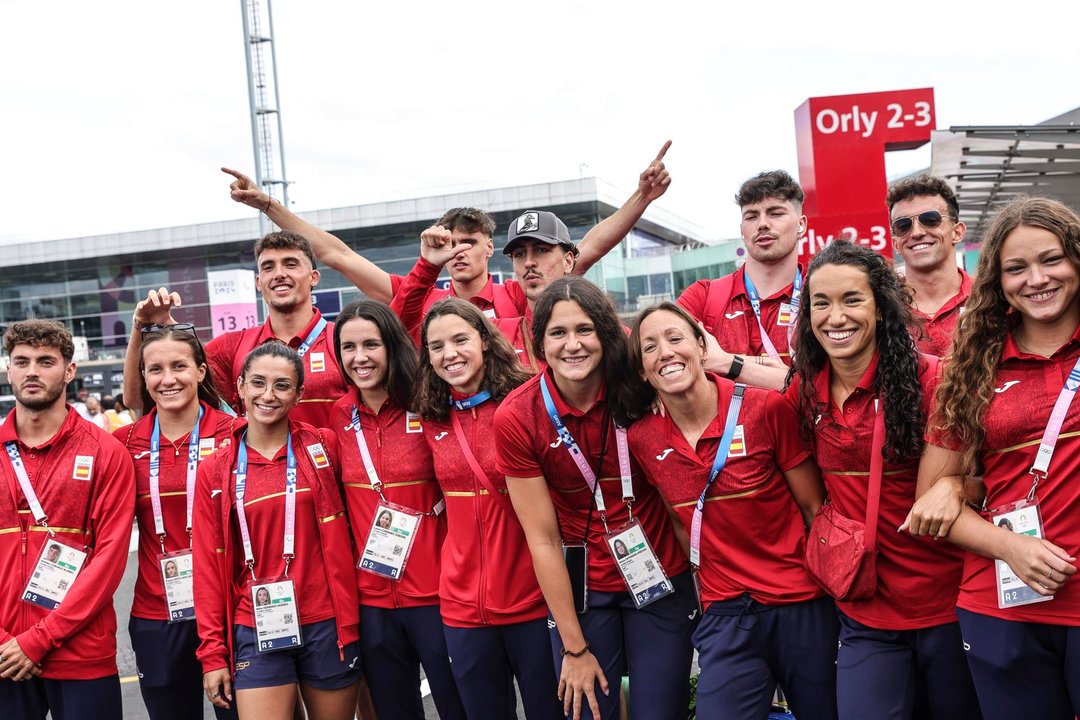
(771, 184)
(207, 392)
(923, 185)
(402, 360)
(967, 385)
(620, 387)
(37, 332)
(896, 380)
(502, 371)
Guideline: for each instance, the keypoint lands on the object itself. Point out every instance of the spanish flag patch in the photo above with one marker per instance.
(412, 422)
(318, 456)
(738, 443)
(84, 467)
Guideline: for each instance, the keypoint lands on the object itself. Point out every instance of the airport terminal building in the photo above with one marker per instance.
(92, 283)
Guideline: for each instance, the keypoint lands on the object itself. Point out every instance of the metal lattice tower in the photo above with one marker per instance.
(266, 135)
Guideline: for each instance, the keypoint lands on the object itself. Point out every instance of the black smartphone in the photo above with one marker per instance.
(576, 558)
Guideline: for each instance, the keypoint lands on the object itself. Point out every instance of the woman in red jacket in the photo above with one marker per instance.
(492, 609)
(269, 516)
(182, 427)
(396, 512)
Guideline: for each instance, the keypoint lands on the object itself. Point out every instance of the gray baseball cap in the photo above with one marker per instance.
(538, 225)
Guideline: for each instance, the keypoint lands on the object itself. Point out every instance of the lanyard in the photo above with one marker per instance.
(28, 490)
(290, 505)
(755, 303)
(312, 336)
(583, 464)
(471, 402)
(1053, 428)
(717, 467)
(365, 453)
(155, 472)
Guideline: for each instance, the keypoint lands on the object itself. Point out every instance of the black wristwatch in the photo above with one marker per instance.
(736, 367)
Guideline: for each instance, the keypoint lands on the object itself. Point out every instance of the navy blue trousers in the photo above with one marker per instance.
(394, 643)
(746, 648)
(1022, 669)
(903, 674)
(651, 645)
(170, 678)
(486, 660)
(31, 699)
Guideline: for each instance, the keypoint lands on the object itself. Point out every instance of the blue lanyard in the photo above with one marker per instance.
(155, 473)
(719, 461)
(755, 298)
(312, 336)
(289, 541)
(471, 402)
(583, 464)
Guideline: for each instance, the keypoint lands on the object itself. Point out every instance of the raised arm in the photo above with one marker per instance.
(368, 277)
(156, 309)
(579, 675)
(652, 183)
(436, 249)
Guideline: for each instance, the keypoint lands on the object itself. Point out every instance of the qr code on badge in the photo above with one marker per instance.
(288, 618)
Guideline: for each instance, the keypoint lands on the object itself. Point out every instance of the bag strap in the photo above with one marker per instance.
(500, 298)
(716, 301)
(475, 465)
(877, 462)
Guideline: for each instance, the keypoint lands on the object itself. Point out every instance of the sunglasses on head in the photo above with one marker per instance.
(188, 328)
(930, 219)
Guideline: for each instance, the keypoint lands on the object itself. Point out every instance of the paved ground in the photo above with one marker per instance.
(129, 680)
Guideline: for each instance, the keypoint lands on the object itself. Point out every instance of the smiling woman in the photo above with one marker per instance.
(863, 391)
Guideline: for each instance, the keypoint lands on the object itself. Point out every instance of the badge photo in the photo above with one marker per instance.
(277, 624)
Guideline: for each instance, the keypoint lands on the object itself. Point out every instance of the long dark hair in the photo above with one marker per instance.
(967, 384)
(502, 371)
(896, 379)
(620, 386)
(207, 392)
(402, 360)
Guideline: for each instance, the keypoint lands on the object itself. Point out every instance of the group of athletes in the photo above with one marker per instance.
(501, 482)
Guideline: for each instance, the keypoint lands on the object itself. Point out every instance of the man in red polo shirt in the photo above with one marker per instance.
(286, 278)
(925, 220)
(751, 312)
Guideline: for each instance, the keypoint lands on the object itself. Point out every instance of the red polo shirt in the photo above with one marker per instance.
(149, 599)
(752, 534)
(323, 383)
(1025, 390)
(528, 446)
(918, 577)
(941, 325)
(734, 325)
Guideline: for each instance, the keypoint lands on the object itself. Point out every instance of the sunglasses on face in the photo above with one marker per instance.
(930, 219)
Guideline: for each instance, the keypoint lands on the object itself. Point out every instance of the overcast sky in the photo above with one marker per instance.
(116, 114)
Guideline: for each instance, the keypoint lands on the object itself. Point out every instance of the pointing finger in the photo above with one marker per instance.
(660, 155)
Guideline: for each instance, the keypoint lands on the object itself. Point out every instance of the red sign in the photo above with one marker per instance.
(842, 141)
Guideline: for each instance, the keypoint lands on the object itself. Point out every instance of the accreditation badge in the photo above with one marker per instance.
(1021, 517)
(176, 577)
(637, 563)
(390, 540)
(54, 573)
(277, 621)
